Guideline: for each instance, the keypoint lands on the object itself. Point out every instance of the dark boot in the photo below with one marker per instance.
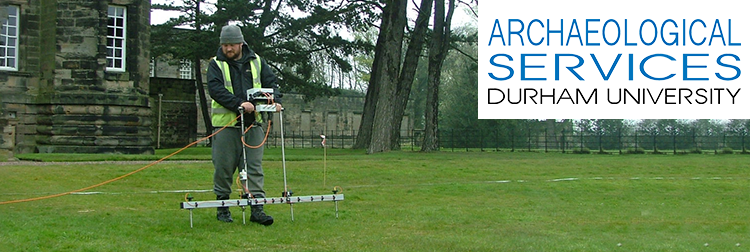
(257, 215)
(222, 213)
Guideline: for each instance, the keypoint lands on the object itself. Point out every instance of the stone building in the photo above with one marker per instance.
(74, 76)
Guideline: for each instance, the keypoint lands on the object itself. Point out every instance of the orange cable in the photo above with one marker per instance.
(264, 138)
(123, 176)
(188, 202)
(338, 189)
(241, 187)
(268, 129)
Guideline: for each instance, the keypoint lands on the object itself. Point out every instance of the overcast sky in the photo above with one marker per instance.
(159, 16)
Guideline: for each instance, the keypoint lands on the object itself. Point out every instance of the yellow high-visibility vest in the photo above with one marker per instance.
(220, 115)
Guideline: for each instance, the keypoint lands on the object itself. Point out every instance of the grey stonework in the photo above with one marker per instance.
(61, 99)
(178, 112)
(338, 115)
(182, 122)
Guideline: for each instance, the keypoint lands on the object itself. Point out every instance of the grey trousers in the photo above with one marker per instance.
(226, 153)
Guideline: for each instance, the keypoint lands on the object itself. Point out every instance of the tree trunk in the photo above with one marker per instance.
(368, 113)
(364, 134)
(382, 126)
(438, 52)
(409, 69)
(381, 87)
(202, 97)
(199, 80)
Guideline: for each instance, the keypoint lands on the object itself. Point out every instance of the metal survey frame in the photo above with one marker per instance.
(246, 200)
(190, 205)
(257, 96)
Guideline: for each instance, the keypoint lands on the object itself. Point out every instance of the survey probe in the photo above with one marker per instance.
(262, 99)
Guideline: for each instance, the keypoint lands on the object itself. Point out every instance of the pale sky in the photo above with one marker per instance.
(159, 16)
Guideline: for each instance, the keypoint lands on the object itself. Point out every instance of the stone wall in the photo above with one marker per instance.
(337, 115)
(326, 114)
(176, 112)
(62, 99)
(7, 139)
(91, 110)
(19, 89)
(330, 115)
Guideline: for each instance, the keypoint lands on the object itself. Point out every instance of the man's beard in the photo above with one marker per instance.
(235, 56)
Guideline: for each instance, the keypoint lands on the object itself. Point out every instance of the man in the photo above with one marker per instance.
(234, 70)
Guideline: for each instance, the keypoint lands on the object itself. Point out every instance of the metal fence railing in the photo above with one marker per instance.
(591, 142)
(336, 139)
(503, 140)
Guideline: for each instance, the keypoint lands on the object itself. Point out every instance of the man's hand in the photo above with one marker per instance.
(248, 107)
(278, 107)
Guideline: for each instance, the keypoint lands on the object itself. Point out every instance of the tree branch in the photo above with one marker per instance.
(470, 6)
(463, 53)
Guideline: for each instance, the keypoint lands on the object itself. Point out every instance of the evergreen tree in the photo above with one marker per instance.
(295, 37)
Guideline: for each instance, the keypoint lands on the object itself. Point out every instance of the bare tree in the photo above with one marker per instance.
(376, 123)
(391, 81)
(389, 66)
(409, 69)
(438, 51)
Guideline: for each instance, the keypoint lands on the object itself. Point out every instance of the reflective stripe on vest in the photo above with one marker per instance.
(220, 115)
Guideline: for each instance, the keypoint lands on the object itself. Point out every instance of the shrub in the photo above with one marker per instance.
(696, 151)
(581, 151)
(727, 150)
(636, 151)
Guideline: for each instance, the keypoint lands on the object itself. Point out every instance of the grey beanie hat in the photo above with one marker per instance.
(231, 34)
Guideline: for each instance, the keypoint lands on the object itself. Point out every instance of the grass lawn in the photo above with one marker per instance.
(398, 201)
